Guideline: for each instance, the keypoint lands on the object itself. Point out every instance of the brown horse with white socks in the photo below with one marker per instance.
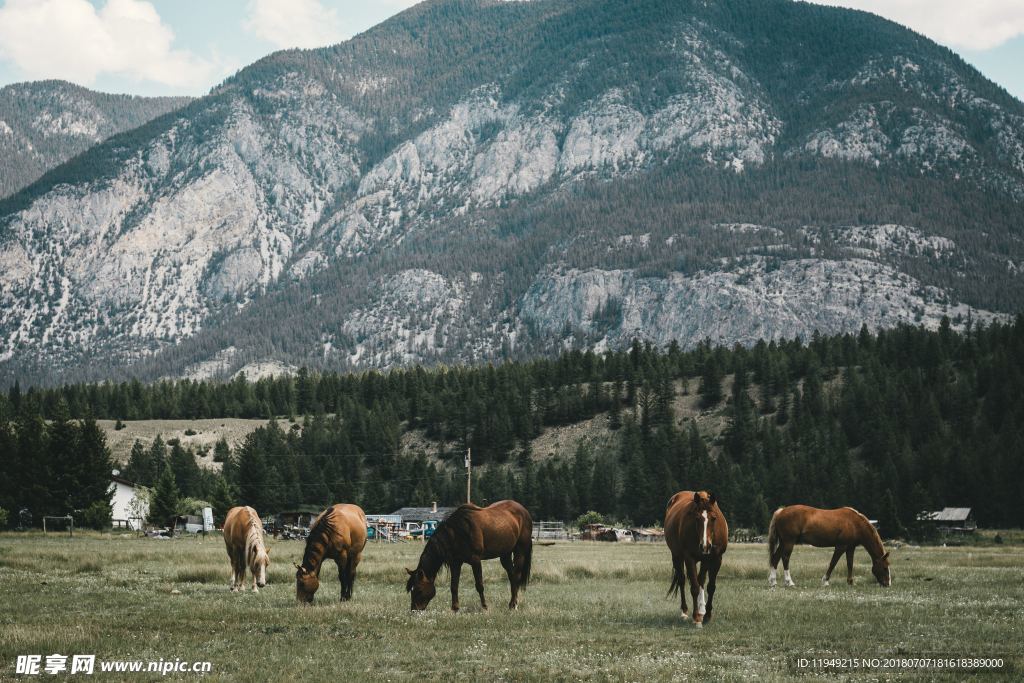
(696, 533)
(843, 529)
(471, 534)
(339, 534)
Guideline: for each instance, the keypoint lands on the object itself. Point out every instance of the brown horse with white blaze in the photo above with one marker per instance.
(243, 537)
(843, 529)
(339, 534)
(696, 533)
(470, 535)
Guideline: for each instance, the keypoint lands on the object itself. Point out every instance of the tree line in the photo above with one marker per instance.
(893, 423)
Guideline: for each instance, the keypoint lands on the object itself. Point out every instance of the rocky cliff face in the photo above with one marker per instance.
(44, 124)
(382, 196)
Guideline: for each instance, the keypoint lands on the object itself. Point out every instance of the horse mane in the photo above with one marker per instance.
(449, 533)
(872, 531)
(323, 526)
(253, 535)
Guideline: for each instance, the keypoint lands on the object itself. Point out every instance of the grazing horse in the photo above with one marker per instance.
(339, 534)
(243, 537)
(843, 529)
(469, 535)
(696, 532)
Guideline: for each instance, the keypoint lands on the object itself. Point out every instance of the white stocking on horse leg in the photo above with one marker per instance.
(772, 581)
(788, 580)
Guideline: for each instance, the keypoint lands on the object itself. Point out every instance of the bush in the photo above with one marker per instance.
(118, 426)
(589, 517)
(3, 518)
(190, 432)
(96, 516)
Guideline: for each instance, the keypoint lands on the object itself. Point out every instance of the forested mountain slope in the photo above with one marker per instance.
(45, 123)
(476, 179)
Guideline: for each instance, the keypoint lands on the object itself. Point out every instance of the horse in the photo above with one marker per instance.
(339, 534)
(843, 529)
(696, 532)
(471, 534)
(243, 537)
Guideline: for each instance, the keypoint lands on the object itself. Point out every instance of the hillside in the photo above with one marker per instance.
(44, 124)
(476, 180)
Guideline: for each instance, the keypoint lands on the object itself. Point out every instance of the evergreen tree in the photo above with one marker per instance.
(163, 506)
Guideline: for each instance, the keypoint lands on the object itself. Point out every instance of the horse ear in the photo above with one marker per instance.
(296, 565)
(410, 572)
(886, 556)
(712, 499)
(266, 550)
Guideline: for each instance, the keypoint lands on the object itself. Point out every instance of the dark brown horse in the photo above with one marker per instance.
(339, 534)
(696, 533)
(470, 535)
(843, 529)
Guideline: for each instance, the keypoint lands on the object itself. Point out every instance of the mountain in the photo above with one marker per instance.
(43, 124)
(477, 179)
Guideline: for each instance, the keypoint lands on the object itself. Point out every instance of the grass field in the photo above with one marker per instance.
(594, 611)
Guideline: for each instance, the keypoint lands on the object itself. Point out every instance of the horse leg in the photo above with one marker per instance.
(716, 564)
(456, 572)
(849, 564)
(513, 579)
(478, 578)
(353, 562)
(832, 565)
(240, 572)
(696, 592)
(341, 561)
(787, 550)
(234, 573)
(773, 566)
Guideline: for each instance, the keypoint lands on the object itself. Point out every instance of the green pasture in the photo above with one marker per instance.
(594, 611)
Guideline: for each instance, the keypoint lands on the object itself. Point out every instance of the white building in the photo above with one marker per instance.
(125, 506)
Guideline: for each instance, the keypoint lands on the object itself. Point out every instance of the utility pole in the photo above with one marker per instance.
(469, 475)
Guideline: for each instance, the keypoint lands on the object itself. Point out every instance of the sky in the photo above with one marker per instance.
(185, 47)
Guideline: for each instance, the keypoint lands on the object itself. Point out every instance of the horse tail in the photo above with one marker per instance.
(677, 578)
(527, 563)
(773, 536)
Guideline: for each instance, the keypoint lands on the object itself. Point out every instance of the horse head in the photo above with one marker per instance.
(306, 584)
(420, 587)
(706, 508)
(259, 561)
(880, 568)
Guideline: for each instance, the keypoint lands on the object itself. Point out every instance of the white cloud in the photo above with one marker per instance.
(71, 39)
(971, 24)
(294, 23)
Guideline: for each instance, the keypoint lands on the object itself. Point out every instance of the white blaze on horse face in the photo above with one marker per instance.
(705, 540)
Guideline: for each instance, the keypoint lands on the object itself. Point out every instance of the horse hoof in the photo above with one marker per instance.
(685, 616)
(824, 582)
(697, 624)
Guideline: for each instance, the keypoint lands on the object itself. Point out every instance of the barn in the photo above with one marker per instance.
(416, 518)
(126, 510)
(951, 520)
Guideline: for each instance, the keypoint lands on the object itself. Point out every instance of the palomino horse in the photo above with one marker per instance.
(696, 532)
(469, 535)
(339, 534)
(243, 536)
(843, 529)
